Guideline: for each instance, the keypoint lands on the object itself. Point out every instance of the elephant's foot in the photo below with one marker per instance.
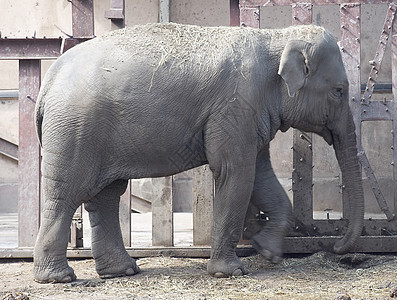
(116, 266)
(52, 273)
(269, 244)
(221, 268)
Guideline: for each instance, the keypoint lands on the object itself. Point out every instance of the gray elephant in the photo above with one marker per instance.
(155, 100)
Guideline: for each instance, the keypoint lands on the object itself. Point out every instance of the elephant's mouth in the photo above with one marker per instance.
(327, 135)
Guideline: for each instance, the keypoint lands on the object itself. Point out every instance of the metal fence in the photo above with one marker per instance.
(309, 234)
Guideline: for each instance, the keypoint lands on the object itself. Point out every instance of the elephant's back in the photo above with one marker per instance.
(181, 44)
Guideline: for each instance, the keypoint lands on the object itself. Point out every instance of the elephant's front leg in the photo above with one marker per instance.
(111, 258)
(233, 183)
(269, 196)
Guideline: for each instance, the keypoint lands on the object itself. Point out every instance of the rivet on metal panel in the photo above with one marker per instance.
(301, 159)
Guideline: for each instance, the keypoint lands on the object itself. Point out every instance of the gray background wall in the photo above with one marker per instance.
(26, 18)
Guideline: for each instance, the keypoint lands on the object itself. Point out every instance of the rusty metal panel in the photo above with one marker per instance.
(234, 13)
(250, 16)
(82, 18)
(30, 48)
(302, 13)
(29, 154)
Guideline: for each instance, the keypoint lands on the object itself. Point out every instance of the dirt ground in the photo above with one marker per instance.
(318, 276)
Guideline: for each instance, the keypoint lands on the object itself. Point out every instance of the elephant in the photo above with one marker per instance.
(157, 99)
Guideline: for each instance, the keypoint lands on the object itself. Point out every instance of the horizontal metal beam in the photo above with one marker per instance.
(9, 94)
(8, 149)
(198, 252)
(253, 3)
(332, 227)
(45, 48)
(374, 244)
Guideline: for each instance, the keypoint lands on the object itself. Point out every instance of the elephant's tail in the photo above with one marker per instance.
(44, 89)
(39, 115)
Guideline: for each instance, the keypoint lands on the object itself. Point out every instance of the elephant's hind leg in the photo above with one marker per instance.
(50, 263)
(269, 196)
(111, 258)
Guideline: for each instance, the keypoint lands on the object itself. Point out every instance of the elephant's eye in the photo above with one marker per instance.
(336, 94)
(339, 92)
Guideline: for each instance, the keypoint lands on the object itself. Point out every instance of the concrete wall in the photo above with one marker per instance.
(28, 18)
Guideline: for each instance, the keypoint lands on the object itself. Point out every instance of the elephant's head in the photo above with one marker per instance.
(316, 100)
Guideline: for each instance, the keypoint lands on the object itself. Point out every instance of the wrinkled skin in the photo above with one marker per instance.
(109, 111)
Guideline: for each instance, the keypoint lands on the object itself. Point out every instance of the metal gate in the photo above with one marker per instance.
(309, 234)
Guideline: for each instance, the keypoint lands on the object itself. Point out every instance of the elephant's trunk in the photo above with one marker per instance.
(346, 152)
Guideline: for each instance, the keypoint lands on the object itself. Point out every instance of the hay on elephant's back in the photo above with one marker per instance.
(205, 46)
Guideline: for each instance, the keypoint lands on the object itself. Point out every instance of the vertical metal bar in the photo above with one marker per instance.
(302, 175)
(82, 18)
(250, 16)
(203, 195)
(164, 11)
(29, 154)
(350, 20)
(234, 13)
(82, 26)
(125, 215)
(394, 91)
(162, 214)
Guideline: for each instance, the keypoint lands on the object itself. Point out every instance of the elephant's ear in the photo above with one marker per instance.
(294, 65)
